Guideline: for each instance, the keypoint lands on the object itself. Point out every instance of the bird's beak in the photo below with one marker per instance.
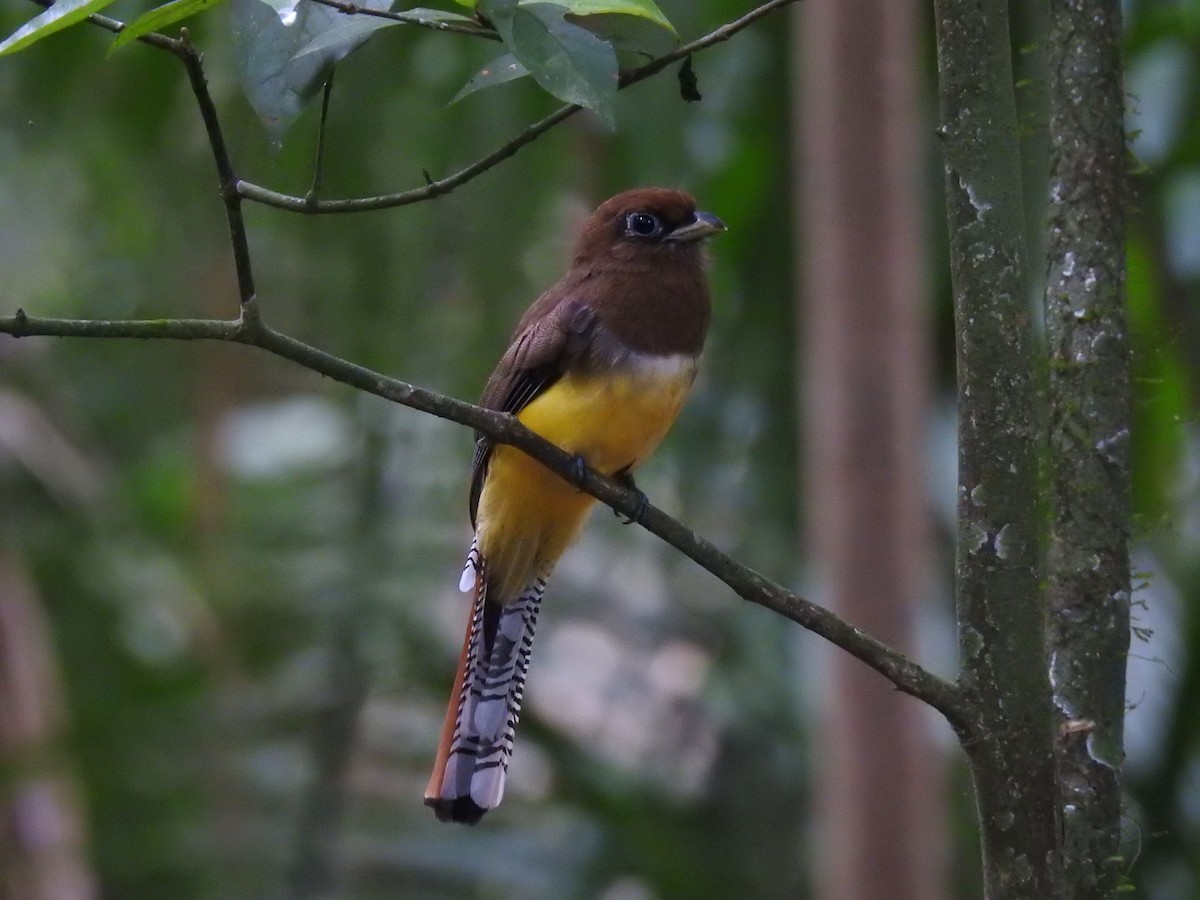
(703, 225)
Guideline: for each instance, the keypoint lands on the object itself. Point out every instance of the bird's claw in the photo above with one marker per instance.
(625, 479)
(579, 470)
(643, 503)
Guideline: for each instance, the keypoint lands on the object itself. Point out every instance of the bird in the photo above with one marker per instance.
(600, 365)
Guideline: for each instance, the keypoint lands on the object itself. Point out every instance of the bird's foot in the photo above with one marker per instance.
(579, 470)
(625, 479)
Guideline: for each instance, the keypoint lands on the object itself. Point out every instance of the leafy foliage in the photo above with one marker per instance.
(278, 79)
(500, 70)
(159, 18)
(62, 14)
(286, 48)
(567, 60)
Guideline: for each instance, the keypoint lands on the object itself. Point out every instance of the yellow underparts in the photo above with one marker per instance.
(528, 516)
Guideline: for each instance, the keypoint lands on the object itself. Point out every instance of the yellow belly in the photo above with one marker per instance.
(528, 516)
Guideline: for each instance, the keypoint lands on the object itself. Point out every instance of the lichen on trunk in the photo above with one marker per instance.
(1090, 409)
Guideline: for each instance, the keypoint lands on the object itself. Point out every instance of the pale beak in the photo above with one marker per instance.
(702, 225)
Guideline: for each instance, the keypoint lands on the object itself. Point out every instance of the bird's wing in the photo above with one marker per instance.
(544, 348)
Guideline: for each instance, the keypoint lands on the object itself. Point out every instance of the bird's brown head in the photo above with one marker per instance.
(647, 224)
(640, 265)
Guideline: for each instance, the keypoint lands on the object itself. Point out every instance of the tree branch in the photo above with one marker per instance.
(232, 200)
(905, 674)
(290, 202)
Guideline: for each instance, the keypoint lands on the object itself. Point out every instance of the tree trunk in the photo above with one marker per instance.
(1001, 606)
(1090, 409)
(865, 377)
(43, 834)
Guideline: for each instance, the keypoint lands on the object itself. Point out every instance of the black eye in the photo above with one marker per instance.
(642, 225)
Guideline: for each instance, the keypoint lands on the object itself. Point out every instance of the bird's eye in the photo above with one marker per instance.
(642, 225)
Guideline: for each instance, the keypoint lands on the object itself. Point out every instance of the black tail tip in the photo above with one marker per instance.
(456, 809)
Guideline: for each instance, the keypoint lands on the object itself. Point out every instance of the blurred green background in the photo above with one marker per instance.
(218, 560)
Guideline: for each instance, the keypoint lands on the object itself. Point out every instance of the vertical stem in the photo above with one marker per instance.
(865, 376)
(314, 192)
(1090, 408)
(999, 596)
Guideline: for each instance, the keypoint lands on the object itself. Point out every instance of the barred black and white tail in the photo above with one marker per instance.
(477, 737)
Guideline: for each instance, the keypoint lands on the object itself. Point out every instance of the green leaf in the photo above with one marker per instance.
(568, 61)
(61, 15)
(499, 71)
(280, 83)
(158, 19)
(645, 9)
(356, 29)
(353, 31)
(636, 40)
(422, 14)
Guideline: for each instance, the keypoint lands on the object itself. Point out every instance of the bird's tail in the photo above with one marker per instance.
(477, 737)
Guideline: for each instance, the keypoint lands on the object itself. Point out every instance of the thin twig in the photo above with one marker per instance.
(193, 62)
(431, 189)
(318, 167)
(354, 9)
(905, 674)
(436, 188)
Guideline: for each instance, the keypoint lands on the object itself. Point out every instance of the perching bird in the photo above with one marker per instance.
(600, 365)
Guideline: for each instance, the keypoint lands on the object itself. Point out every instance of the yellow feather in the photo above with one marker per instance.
(528, 516)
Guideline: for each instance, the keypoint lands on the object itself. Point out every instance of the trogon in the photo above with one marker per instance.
(600, 365)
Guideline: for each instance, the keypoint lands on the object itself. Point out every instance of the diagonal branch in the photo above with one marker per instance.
(905, 674)
(445, 185)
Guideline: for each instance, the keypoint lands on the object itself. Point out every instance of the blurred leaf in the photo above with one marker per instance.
(644, 9)
(500, 70)
(279, 82)
(285, 9)
(59, 16)
(356, 29)
(1161, 404)
(352, 32)
(157, 19)
(424, 14)
(636, 40)
(567, 60)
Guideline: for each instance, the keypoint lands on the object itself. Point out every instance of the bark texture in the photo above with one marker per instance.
(1090, 409)
(999, 594)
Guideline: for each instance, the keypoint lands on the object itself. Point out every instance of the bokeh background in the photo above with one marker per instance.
(228, 604)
